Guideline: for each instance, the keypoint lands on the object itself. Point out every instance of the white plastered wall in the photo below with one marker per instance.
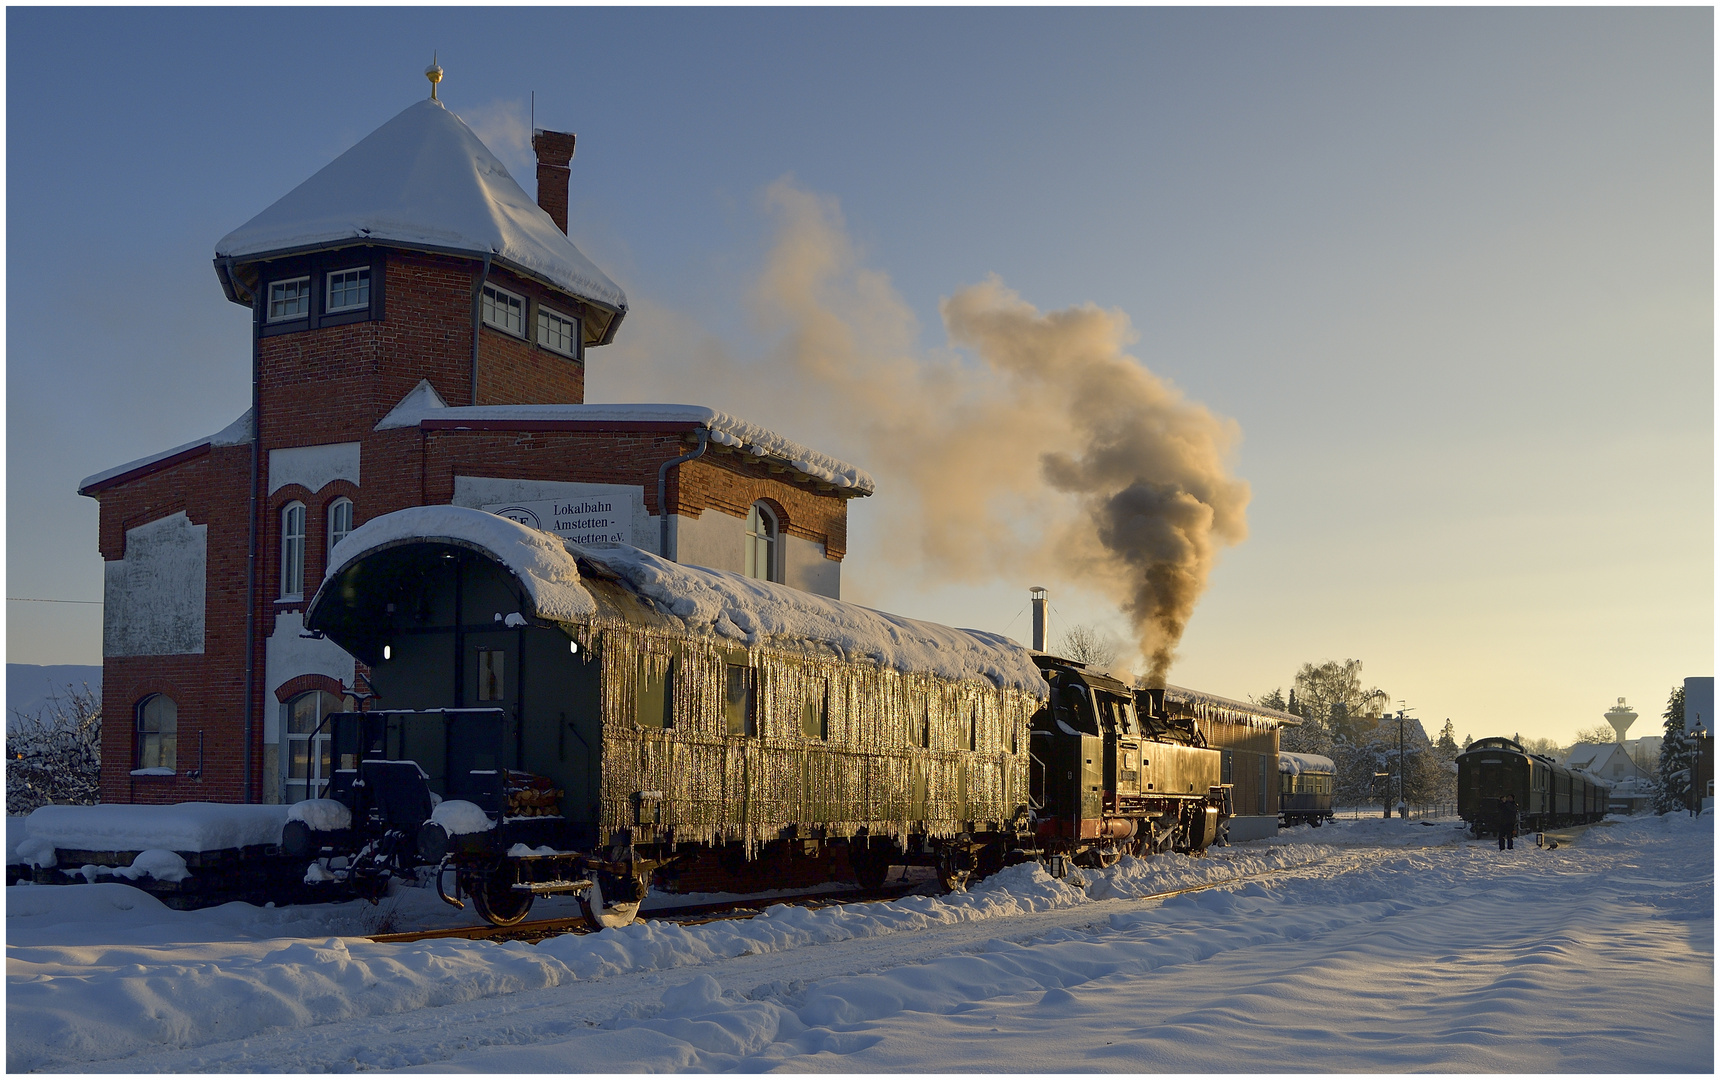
(477, 492)
(718, 541)
(153, 597)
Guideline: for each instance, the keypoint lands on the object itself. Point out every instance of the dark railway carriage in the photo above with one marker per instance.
(591, 717)
(1548, 795)
(1305, 788)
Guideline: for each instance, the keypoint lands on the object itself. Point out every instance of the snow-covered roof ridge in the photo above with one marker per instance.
(725, 429)
(419, 402)
(235, 434)
(746, 609)
(424, 179)
(539, 559)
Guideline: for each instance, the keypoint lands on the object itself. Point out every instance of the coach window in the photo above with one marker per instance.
(308, 757)
(290, 299)
(157, 732)
(293, 551)
(815, 710)
(505, 311)
(739, 701)
(339, 521)
(761, 544)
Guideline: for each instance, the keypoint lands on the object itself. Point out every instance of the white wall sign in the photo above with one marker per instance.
(592, 519)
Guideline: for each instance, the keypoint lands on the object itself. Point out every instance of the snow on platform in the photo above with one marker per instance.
(1366, 946)
(183, 827)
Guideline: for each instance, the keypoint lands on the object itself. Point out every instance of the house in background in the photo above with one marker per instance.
(1611, 764)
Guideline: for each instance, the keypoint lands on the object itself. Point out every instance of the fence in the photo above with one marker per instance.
(1416, 810)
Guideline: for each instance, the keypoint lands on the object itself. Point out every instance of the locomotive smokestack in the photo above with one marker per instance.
(1039, 603)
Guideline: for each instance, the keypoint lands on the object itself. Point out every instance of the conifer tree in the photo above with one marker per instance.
(1672, 779)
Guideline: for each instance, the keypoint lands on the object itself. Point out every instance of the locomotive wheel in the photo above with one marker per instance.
(601, 914)
(498, 902)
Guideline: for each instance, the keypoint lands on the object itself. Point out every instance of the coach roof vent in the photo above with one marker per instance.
(426, 182)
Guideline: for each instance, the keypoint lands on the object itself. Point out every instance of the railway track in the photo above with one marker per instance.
(695, 914)
(687, 915)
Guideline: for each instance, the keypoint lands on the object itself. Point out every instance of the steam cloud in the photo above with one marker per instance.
(1057, 456)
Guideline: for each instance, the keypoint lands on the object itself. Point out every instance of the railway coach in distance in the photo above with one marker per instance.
(1548, 795)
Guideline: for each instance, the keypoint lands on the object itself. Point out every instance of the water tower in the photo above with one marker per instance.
(1620, 717)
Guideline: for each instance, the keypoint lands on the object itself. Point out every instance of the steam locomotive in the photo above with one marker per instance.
(560, 720)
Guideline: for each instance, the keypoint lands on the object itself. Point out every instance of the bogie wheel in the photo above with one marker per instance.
(497, 901)
(603, 914)
(955, 868)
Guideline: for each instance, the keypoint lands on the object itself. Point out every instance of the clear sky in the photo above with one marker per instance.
(1450, 273)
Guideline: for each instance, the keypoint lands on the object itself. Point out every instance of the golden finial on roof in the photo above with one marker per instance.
(434, 74)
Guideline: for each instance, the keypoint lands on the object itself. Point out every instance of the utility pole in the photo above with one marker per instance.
(1403, 802)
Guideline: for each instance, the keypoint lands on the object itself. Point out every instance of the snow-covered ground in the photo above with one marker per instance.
(1366, 945)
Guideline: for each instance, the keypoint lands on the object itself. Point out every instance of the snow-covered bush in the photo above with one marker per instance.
(55, 756)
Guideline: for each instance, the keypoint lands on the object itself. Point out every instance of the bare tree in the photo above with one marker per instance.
(1600, 733)
(1332, 692)
(1089, 646)
(55, 756)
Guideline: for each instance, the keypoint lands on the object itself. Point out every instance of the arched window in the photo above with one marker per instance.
(761, 561)
(157, 732)
(293, 551)
(339, 520)
(308, 758)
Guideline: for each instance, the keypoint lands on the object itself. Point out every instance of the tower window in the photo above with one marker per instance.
(339, 521)
(290, 299)
(761, 561)
(348, 290)
(293, 551)
(504, 311)
(557, 333)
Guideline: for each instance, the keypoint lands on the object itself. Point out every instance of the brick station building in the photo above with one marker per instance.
(420, 334)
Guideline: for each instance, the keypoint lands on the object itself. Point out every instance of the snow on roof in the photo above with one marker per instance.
(235, 434)
(195, 826)
(539, 559)
(424, 179)
(726, 430)
(754, 611)
(418, 403)
(1301, 763)
(1260, 712)
(712, 601)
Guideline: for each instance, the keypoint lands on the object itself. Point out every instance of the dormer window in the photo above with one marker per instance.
(348, 290)
(504, 311)
(290, 299)
(558, 333)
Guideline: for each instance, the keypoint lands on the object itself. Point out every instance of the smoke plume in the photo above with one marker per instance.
(1034, 447)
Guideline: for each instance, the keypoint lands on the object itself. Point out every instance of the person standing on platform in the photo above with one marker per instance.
(1507, 822)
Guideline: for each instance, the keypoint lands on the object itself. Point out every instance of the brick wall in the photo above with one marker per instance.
(333, 384)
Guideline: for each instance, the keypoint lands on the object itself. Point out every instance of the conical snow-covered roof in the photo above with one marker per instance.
(424, 180)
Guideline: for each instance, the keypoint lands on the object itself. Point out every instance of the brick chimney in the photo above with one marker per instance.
(554, 151)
